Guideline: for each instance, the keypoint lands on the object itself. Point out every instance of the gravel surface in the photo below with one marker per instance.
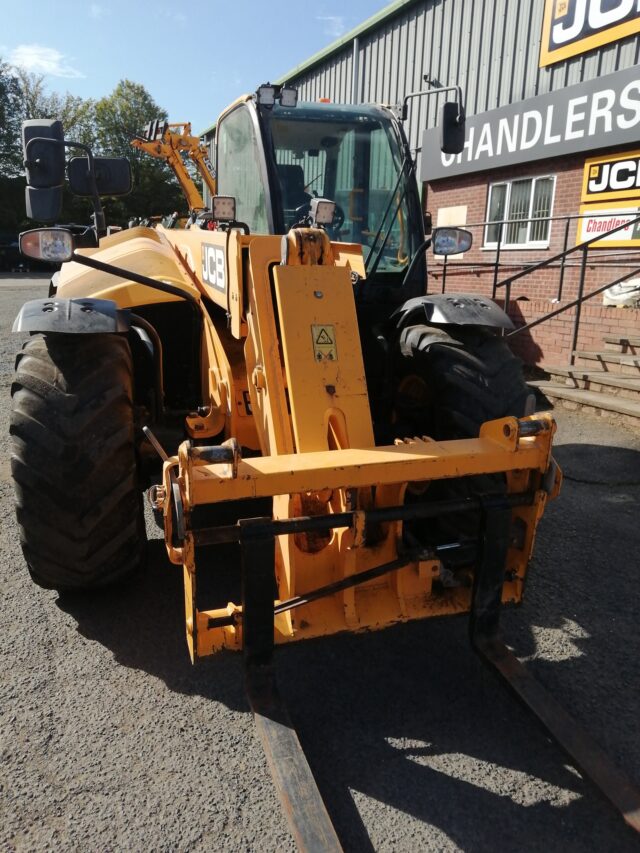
(110, 740)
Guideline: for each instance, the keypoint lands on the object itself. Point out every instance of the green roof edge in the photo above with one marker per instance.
(388, 12)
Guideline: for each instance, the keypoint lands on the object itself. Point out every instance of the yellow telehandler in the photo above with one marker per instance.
(279, 379)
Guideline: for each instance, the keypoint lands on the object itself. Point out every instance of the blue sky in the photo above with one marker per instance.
(193, 58)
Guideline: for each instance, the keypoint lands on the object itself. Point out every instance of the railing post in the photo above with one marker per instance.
(564, 257)
(497, 263)
(576, 321)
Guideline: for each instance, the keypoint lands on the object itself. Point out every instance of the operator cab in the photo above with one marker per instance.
(275, 159)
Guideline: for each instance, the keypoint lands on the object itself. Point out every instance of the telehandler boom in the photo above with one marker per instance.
(169, 142)
(284, 383)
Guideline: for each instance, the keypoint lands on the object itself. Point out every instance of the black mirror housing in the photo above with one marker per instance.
(43, 149)
(113, 176)
(452, 128)
(45, 204)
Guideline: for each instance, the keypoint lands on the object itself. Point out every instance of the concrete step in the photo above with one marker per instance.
(615, 384)
(609, 361)
(626, 345)
(604, 405)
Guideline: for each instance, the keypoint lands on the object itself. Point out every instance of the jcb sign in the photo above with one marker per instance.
(213, 266)
(611, 177)
(575, 26)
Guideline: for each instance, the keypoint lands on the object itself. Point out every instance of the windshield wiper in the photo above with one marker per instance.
(376, 261)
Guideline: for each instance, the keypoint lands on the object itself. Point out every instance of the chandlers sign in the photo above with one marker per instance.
(600, 113)
(571, 27)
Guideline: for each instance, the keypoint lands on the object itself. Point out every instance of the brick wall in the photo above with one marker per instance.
(550, 342)
(535, 294)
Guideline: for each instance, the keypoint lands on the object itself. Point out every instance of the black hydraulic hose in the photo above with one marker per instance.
(164, 286)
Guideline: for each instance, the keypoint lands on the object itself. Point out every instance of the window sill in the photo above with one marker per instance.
(523, 247)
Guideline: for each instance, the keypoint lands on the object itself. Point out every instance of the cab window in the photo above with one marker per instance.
(239, 169)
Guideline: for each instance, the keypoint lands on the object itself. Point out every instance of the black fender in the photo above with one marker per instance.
(81, 316)
(455, 309)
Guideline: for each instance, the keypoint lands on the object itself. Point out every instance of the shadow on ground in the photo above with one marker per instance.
(408, 720)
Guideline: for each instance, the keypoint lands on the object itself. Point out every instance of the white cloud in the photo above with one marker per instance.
(43, 60)
(334, 25)
(96, 11)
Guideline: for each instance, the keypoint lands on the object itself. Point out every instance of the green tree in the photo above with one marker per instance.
(76, 114)
(119, 118)
(10, 119)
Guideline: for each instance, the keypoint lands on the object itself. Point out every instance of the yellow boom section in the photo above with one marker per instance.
(169, 142)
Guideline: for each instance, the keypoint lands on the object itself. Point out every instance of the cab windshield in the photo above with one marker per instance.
(351, 155)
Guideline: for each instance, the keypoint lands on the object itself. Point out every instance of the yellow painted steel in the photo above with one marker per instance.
(282, 374)
(405, 594)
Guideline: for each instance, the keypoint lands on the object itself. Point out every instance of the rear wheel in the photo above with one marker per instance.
(450, 380)
(73, 461)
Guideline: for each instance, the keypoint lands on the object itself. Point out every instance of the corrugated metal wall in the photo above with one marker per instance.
(489, 47)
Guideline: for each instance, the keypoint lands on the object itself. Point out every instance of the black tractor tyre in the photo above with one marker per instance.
(468, 376)
(73, 461)
(450, 380)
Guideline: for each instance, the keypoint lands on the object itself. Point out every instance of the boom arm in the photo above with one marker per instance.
(168, 142)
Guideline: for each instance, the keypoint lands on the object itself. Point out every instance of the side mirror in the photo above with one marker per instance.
(43, 150)
(47, 244)
(452, 128)
(450, 241)
(113, 176)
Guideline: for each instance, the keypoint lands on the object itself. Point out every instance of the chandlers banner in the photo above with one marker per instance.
(571, 27)
(596, 114)
(598, 219)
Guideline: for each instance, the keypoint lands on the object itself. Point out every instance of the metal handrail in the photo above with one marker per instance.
(533, 267)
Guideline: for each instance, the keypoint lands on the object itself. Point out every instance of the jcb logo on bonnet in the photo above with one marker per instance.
(213, 266)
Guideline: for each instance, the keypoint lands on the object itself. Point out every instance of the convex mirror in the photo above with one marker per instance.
(450, 241)
(55, 245)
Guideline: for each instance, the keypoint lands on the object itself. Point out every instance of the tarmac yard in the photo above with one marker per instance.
(110, 740)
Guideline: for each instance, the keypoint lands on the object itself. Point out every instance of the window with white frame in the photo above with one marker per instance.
(523, 203)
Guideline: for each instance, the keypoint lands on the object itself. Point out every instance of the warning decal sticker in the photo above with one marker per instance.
(324, 343)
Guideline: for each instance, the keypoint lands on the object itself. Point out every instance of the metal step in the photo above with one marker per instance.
(625, 344)
(612, 362)
(621, 385)
(603, 404)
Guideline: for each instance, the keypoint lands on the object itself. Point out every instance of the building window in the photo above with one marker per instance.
(524, 204)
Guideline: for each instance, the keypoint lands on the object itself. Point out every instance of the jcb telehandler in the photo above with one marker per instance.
(370, 447)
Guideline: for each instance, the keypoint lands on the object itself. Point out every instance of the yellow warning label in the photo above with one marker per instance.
(324, 343)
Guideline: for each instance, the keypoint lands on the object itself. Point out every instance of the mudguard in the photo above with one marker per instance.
(72, 316)
(457, 309)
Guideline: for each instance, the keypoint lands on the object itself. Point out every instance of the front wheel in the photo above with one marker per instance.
(449, 381)
(78, 505)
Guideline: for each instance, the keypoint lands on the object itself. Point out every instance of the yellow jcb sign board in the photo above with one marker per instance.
(611, 176)
(572, 27)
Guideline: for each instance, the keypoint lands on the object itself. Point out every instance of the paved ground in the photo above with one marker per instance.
(111, 741)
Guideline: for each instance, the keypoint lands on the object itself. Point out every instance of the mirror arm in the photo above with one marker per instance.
(420, 251)
(98, 210)
(404, 110)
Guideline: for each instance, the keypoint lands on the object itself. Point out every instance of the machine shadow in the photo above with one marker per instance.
(408, 719)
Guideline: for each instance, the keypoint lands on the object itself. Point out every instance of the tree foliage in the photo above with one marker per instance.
(107, 126)
(10, 118)
(119, 118)
(76, 114)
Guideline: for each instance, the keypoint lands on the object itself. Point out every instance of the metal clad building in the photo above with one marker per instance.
(489, 47)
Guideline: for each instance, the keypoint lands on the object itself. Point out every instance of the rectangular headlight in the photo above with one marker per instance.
(223, 208)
